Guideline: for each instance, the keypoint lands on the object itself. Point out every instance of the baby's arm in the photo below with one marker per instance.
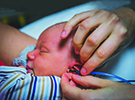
(16, 83)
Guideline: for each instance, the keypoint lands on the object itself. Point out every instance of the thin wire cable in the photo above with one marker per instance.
(129, 81)
(108, 75)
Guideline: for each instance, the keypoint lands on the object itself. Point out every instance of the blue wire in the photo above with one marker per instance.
(107, 74)
(129, 81)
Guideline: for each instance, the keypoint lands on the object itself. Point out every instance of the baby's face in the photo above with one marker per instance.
(52, 56)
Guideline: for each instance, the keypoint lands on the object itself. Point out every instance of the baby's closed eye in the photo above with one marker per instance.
(44, 50)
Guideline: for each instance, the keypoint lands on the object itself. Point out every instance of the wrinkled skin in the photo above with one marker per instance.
(112, 32)
(103, 89)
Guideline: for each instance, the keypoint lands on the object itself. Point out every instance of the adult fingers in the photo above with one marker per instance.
(101, 54)
(94, 40)
(104, 50)
(75, 93)
(74, 21)
(69, 91)
(99, 35)
(84, 30)
(90, 81)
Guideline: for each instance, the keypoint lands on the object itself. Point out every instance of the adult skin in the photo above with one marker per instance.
(12, 42)
(103, 89)
(114, 30)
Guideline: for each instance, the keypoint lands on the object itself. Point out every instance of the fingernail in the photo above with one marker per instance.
(83, 71)
(77, 51)
(63, 34)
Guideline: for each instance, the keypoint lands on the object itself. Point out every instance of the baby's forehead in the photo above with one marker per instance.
(52, 34)
(55, 29)
(58, 25)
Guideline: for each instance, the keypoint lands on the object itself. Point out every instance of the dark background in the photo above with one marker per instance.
(18, 13)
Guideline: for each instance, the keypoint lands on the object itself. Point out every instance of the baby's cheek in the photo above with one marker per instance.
(37, 62)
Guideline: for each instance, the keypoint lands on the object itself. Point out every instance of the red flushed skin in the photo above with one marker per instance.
(53, 56)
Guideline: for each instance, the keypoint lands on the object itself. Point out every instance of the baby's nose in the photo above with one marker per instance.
(30, 55)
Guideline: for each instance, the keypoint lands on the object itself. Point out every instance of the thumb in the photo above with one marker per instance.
(87, 69)
(90, 81)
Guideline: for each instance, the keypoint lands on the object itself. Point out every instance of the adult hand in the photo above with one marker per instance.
(112, 31)
(103, 89)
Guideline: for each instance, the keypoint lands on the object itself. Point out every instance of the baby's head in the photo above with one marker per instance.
(53, 56)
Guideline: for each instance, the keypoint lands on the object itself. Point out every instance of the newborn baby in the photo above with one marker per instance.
(53, 56)
(49, 60)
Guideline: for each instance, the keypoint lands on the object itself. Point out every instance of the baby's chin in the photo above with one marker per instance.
(49, 74)
(44, 74)
(56, 73)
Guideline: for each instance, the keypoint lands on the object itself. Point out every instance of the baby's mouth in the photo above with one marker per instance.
(29, 68)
